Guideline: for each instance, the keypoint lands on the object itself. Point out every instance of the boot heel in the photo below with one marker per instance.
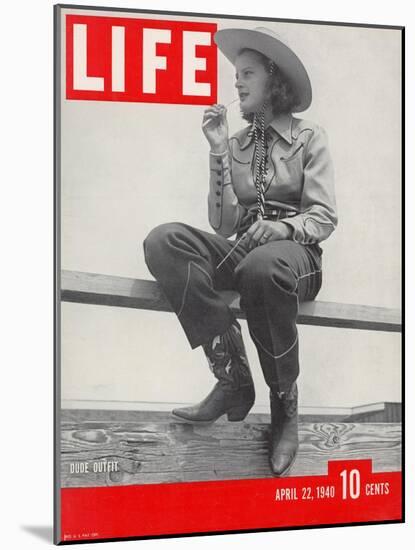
(236, 414)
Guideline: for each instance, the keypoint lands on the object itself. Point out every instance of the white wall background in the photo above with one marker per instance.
(127, 167)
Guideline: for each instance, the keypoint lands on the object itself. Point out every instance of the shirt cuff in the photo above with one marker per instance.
(296, 233)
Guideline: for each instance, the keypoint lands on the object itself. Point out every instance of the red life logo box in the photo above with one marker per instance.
(140, 60)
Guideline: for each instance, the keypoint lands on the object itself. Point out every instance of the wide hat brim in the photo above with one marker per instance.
(231, 41)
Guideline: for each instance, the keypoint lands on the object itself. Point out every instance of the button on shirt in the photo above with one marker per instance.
(299, 181)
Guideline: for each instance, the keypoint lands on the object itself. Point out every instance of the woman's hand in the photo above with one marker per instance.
(215, 127)
(264, 231)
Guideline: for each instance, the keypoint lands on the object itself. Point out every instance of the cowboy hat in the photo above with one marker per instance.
(231, 41)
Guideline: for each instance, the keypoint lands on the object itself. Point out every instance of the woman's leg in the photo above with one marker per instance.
(272, 279)
(183, 260)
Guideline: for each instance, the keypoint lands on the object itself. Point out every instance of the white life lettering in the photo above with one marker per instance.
(191, 63)
(81, 80)
(151, 61)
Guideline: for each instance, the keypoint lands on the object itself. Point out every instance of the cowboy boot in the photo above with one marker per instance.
(234, 393)
(284, 430)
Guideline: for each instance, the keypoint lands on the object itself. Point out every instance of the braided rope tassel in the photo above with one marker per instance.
(260, 156)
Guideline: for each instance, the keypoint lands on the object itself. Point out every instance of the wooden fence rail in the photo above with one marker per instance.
(109, 290)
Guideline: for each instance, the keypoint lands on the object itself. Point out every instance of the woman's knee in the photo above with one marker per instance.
(249, 271)
(157, 240)
(259, 270)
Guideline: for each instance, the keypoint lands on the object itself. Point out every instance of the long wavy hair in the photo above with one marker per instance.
(283, 97)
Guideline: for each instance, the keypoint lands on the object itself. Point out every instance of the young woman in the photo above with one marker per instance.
(272, 185)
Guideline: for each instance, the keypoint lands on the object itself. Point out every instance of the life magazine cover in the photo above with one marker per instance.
(228, 255)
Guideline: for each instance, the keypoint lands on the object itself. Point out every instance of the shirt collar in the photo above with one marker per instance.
(282, 124)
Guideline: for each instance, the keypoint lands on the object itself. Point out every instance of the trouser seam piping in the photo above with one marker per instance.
(270, 354)
(191, 262)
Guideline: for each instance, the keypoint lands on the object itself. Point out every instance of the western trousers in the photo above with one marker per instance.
(272, 279)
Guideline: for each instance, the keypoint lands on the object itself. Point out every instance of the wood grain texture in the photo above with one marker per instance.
(93, 288)
(164, 450)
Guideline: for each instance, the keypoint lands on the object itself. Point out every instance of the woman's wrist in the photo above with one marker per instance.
(218, 149)
(285, 230)
(288, 230)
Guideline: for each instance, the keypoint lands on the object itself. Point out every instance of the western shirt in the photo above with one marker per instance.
(299, 183)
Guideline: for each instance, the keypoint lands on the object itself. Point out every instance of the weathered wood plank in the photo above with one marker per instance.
(93, 288)
(169, 451)
(373, 412)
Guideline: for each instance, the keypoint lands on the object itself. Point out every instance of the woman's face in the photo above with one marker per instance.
(251, 81)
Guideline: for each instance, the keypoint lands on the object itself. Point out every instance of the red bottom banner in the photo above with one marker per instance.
(350, 493)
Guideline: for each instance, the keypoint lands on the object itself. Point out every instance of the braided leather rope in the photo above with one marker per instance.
(260, 155)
